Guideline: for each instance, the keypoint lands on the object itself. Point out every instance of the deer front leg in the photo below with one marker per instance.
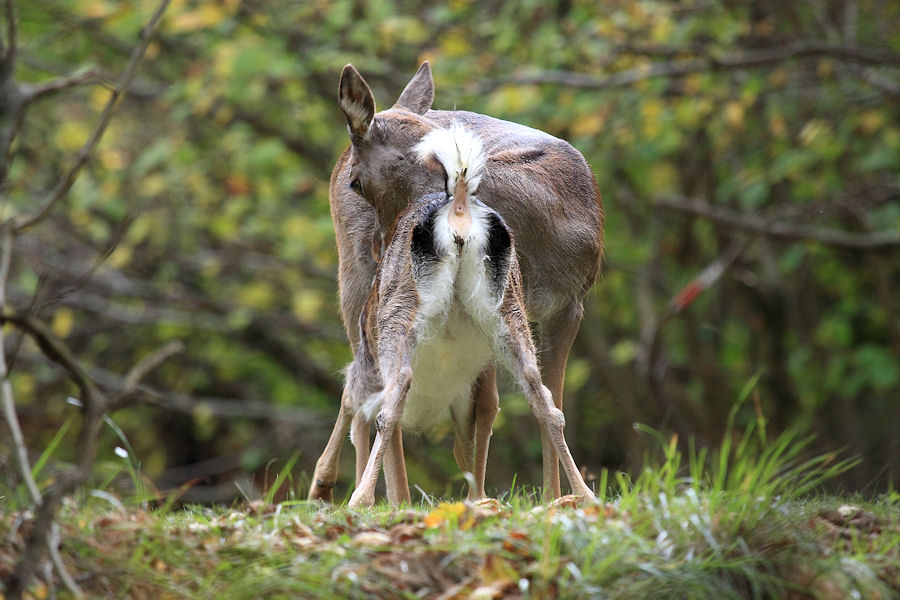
(325, 475)
(359, 437)
(480, 422)
(387, 421)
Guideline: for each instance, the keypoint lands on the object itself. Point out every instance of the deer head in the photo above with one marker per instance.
(384, 167)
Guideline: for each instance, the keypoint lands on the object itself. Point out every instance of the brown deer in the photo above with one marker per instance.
(446, 302)
(540, 185)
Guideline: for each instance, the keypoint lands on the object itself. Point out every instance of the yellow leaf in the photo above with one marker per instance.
(444, 512)
(63, 320)
(258, 294)
(306, 304)
(99, 97)
(651, 111)
(777, 126)
(40, 592)
(692, 84)
(814, 131)
(587, 125)
(111, 159)
(455, 43)
(71, 135)
(120, 257)
(204, 17)
(870, 121)
(734, 115)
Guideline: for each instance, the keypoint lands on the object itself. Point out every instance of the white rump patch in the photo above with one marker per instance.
(460, 152)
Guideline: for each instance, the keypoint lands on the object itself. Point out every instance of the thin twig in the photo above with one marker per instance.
(140, 370)
(53, 546)
(782, 231)
(65, 184)
(64, 82)
(708, 277)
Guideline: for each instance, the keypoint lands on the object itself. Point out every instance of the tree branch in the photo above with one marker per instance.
(9, 407)
(64, 82)
(782, 231)
(139, 371)
(65, 184)
(675, 68)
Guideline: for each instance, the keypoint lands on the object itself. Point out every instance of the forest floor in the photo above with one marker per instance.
(675, 547)
(647, 542)
(746, 520)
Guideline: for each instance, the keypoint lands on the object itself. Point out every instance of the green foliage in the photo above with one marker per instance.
(203, 216)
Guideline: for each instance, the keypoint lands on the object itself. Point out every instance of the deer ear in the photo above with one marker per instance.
(419, 92)
(356, 101)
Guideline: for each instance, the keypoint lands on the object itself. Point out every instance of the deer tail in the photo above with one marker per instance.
(460, 152)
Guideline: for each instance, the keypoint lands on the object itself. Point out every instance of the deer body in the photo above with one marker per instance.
(446, 302)
(540, 185)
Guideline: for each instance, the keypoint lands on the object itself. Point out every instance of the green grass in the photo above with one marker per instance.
(743, 522)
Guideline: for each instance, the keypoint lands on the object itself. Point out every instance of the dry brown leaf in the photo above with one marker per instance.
(372, 538)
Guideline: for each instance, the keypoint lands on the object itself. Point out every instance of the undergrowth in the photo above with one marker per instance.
(744, 521)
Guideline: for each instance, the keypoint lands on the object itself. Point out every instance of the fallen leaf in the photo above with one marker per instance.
(445, 512)
(372, 538)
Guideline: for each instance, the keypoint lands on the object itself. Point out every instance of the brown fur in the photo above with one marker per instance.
(541, 186)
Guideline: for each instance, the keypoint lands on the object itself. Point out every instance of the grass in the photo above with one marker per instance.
(745, 521)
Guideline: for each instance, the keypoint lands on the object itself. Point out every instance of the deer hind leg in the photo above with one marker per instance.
(523, 365)
(395, 470)
(386, 423)
(556, 338)
(325, 475)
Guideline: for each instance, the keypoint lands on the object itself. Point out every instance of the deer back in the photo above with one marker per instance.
(541, 186)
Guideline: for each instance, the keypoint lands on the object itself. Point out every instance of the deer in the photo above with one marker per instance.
(542, 188)
(446, 302)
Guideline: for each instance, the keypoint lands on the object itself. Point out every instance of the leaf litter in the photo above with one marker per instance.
(455, 550)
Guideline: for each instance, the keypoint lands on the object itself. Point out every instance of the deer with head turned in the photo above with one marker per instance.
(446, 302)
(540, 186)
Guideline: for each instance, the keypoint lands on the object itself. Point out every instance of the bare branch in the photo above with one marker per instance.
(243, 408)
(9, 407)
(65, 184)
(36, 92)
(140, 370)
(676, 68)
(708, 277)
(53, 348)
(782, 231)
(12, 421)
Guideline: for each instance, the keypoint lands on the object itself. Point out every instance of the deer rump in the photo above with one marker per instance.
(435, 310)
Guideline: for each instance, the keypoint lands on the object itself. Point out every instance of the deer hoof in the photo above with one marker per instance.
(321, 490)
(360, 499)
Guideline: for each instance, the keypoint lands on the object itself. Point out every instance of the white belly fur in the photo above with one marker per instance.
(458, 321)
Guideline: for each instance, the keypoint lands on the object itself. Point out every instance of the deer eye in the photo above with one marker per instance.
(356, 186)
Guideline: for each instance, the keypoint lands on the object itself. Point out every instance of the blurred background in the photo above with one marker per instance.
(749, 159)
